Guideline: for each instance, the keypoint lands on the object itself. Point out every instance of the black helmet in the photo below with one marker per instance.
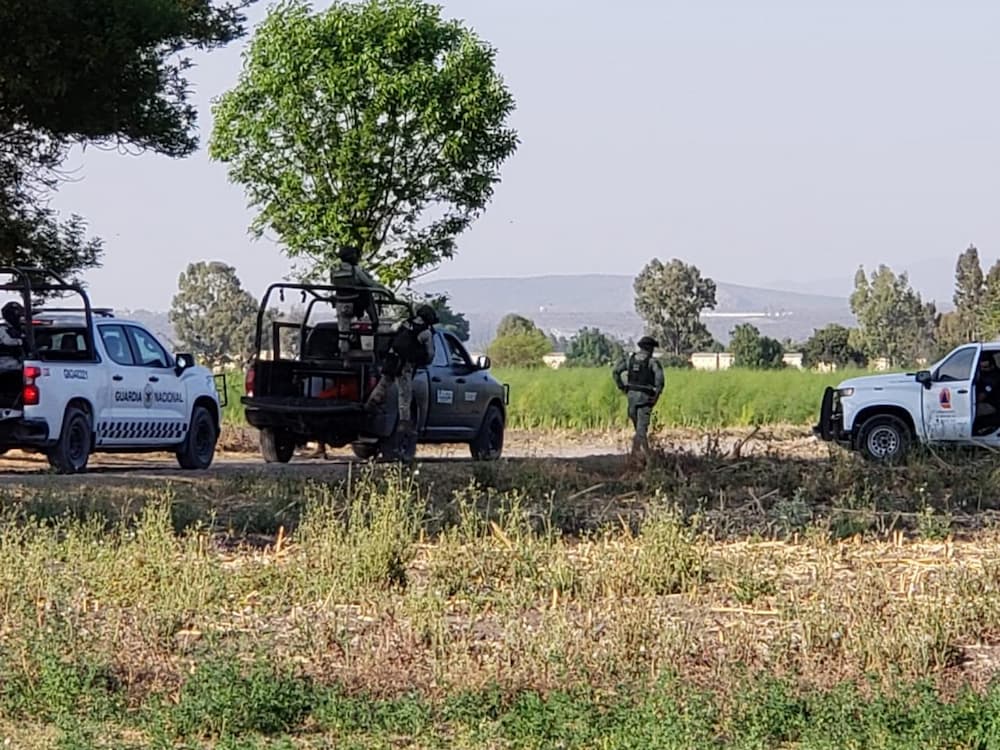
(427, 314)
(12, 312)
(349, 254)
(648, 343)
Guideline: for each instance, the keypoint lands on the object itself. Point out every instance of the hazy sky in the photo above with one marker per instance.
(764, 141)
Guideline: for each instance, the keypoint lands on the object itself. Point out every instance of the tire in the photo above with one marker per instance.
(198, 448)
(276, 447)
(884, 439)
(71, 453)
(365, 451)
(488, 444)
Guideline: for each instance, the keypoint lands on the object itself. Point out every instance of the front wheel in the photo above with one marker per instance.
(198, 448)
(71, 453)
(275, 446)
(884, 438)
(488, 444)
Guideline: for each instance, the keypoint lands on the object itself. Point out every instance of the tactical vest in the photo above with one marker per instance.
(11, 350)
(640, 374)
(406, 344)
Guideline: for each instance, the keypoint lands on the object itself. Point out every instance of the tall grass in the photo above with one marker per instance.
(586, 398)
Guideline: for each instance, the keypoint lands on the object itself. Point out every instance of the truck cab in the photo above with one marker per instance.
(954, 401)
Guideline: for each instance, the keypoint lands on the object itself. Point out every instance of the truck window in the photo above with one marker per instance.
(117, 345)
(148, 351)
(62, 344)
(957, 368)
(456, 354)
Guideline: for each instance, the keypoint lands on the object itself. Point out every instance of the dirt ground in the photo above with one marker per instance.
(237, 454)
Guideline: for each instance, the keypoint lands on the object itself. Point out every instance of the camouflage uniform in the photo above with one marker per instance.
(402, 374)
(11, 341)
(349, 274)
(643, 386)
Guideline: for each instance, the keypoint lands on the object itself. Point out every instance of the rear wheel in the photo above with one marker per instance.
(198, 448)
(71, 453)
(365, 451)
(488, 444)
(276, 446)
(884, 438)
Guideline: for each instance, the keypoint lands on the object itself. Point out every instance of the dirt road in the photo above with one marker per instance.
(237, 457)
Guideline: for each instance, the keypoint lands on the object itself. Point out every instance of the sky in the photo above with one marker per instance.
(775, 142)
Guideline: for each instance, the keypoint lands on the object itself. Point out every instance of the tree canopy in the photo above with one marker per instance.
(518, 343)
(671, 298)
(593, 348)
(893, 321)
(213, 316)
(449, 320)
(376, 124)
(753, 351)
(831, 345)
(105, 72)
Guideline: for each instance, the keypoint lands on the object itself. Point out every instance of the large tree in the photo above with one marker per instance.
(893, 322)
(518, 343)
(212, 314)
(989, 312)
(968, 297)
(378, 124)
(90, 72)
(671, 298)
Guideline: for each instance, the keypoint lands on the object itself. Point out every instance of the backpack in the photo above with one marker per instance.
(406, 344)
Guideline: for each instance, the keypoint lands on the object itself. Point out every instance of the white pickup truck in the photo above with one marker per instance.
(91, 382)
(955, 401)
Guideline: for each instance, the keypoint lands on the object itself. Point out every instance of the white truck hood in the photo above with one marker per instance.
(880, 382)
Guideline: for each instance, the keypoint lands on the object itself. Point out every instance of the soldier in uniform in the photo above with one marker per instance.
(352, 303)
(412, 347)
(11, 346)
(643, 387)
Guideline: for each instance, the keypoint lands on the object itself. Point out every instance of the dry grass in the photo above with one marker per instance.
(537, 576)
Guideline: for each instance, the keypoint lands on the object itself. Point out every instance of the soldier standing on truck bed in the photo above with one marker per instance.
(353, 302)
(11, 346)
(412, 347)
(643, 387)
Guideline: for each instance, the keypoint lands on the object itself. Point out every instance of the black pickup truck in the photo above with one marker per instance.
(300, 386)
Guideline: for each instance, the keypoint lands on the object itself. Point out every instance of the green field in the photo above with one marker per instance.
(586, 399)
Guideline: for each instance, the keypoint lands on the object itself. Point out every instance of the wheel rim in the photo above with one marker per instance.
(883, 442)
(76, 447)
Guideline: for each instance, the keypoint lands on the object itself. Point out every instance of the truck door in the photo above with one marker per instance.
(447, 391)
(122, 417)
(948, 400)
(164, 395)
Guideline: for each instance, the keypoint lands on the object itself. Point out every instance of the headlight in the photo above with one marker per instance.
(845, 392)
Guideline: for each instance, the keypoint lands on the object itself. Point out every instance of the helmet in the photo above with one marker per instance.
(427, 314)
(12, 312)
(349, 254)
(648, 343)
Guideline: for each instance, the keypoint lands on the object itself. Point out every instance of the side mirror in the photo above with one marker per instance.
(925, 378)
(184, 362)
(483, 362)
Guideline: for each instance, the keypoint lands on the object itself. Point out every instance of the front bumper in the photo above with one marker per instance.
(830, 427)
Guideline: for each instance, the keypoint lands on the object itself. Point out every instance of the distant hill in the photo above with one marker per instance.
(565, 304)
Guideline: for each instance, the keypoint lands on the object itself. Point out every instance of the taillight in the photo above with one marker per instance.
(248, 384)
(30, 393)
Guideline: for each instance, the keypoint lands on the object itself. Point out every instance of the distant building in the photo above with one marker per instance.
(555, 360)
(712, 360)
